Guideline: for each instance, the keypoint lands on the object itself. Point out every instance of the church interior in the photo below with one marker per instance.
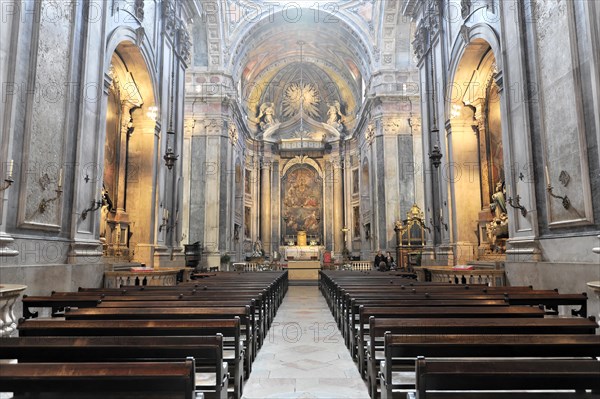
(303, 163)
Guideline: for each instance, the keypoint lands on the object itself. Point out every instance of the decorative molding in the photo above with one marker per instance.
(138, 9)
(421, 41)
(184, 43)
(233, 133)
(370, 133)
(169, 17)
(465, 8)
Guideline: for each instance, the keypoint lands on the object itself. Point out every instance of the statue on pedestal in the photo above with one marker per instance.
(257, 250)
(498, 227)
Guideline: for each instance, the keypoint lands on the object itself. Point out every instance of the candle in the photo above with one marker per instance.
(11, 165)
(60, 172)
(547, 176)
(164, 213)
(167, 213)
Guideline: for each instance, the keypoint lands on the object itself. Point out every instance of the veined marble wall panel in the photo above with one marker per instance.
(197, 188)
(186, 159)
(46, 122)
(406, 168)
(226, 183)
(391, 152)
(563, 129)
(378, 182)
(9, 15)
(591, 9)
(275, 207)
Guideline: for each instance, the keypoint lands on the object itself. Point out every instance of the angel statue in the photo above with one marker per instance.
(266, 115)
(335, 117)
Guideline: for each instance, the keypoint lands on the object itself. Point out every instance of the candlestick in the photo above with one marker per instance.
(11, 165)
(547, 175)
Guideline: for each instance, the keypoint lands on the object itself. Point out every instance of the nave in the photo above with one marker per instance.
(359, 335)
(304, 354)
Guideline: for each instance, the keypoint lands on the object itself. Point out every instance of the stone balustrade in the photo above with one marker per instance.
(491, 277)
(9, 293)
(161, 277)
(362, 265)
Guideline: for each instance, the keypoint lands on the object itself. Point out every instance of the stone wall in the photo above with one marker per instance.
(569, 278)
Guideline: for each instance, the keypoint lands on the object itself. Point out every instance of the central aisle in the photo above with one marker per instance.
(304, 355)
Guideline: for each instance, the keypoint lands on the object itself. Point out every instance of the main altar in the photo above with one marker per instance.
(303, 252)
(304, 261)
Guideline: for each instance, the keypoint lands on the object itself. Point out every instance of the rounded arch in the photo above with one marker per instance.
(239, 46)
(128, 227)
(125, 37)
(300, 161)
(475, 141)
(478, 33)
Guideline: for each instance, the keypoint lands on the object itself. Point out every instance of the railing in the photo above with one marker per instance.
(154, 277)
(361, 265)
(254, 267)
(491, 277)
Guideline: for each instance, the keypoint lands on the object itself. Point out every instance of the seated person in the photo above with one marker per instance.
(378, 259)
(389, 261)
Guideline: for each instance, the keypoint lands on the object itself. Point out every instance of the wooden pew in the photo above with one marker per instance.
(230, 329)
(441, 326)
(549, 299)
(506, 375)
(167, 379)
(366, 312)
(403, 350)
(262, 314)
(243, 312)
(207, 351)
(350, 321)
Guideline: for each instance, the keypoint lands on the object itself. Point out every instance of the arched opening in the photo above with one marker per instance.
(126, 222)
(476, 172)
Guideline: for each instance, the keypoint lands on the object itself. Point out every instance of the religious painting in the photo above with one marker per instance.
(355, 181)
(302, 205)
(356, 224)
(248, 182)
(247, 221)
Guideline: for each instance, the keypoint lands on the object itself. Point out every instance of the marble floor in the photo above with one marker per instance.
(304, 355)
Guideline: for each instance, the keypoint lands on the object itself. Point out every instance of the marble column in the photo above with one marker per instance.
(338, 210)
(265, 205)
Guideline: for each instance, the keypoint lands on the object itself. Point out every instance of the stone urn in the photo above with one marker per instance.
(9, 293)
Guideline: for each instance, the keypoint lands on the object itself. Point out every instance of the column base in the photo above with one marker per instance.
(85, 251)
(523, 251)
(7, 248)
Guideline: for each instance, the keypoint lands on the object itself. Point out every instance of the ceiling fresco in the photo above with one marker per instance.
(324, 55)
